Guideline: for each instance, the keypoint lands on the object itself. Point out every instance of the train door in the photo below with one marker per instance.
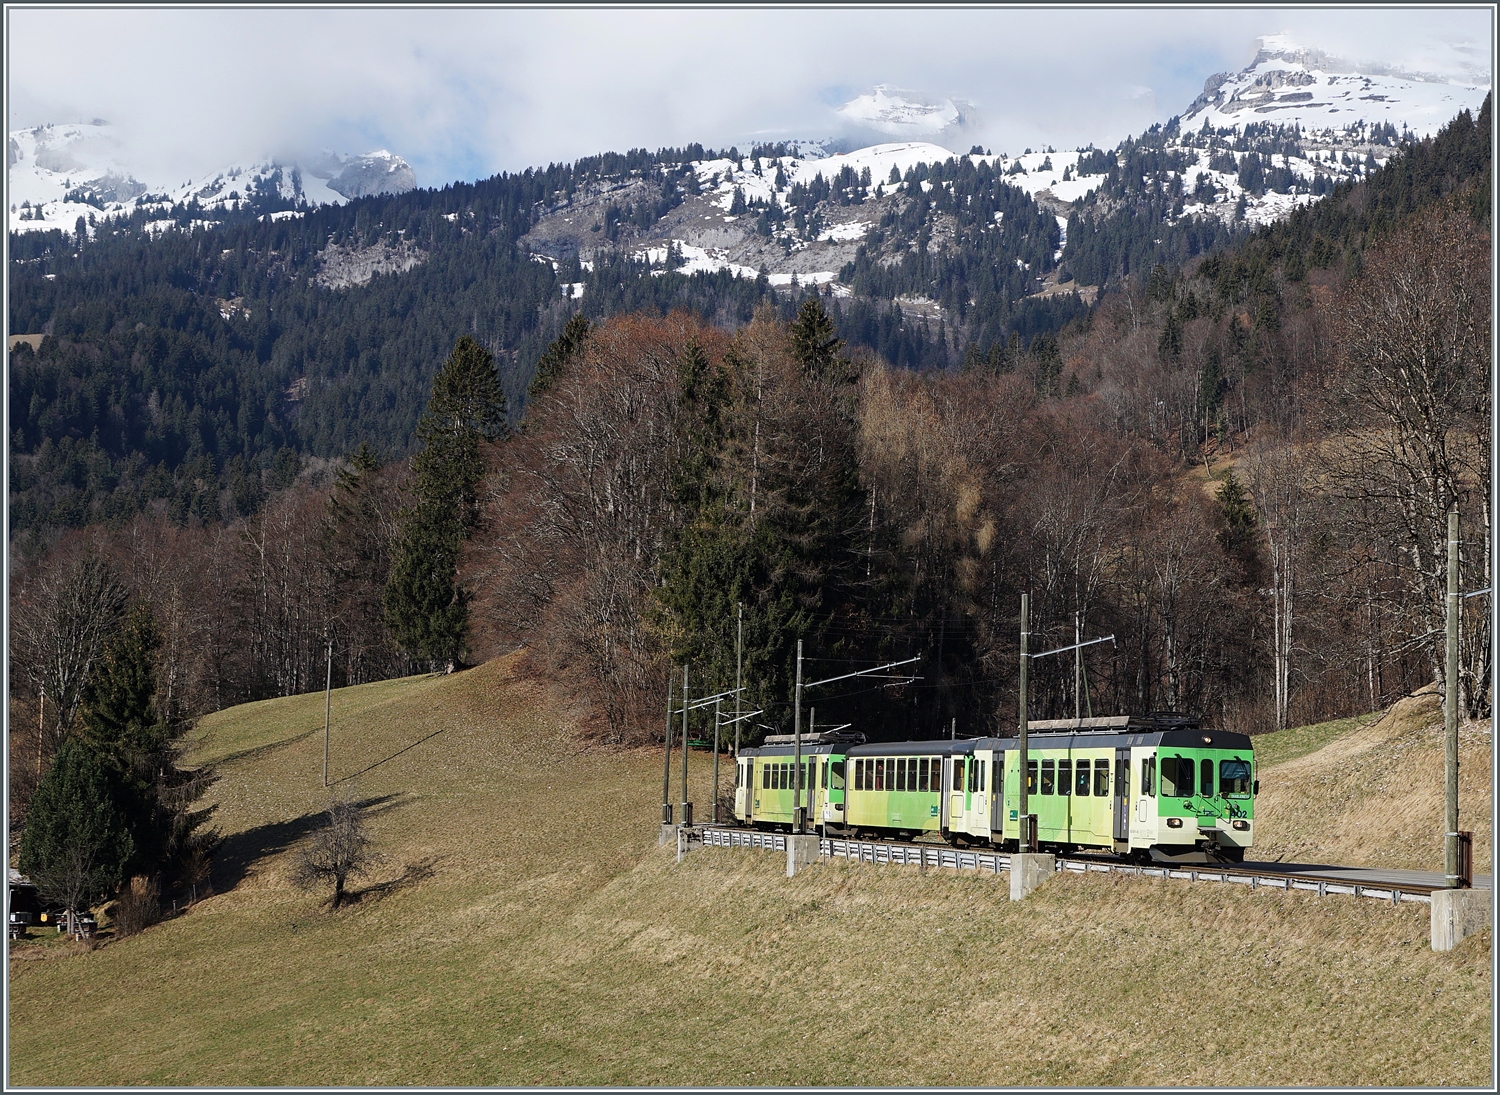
(833, 793)
(749, 789)
(999, 788)
(1122, 795)
(957, 793)
(1143, 789)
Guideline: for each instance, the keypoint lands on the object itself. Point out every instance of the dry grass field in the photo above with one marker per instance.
(524, 928)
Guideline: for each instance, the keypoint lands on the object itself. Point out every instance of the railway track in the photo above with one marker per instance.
(1391, 886)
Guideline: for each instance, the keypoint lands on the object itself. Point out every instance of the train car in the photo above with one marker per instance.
(907, 787)
(1159, 787)
(1152, 787)
(765, 780)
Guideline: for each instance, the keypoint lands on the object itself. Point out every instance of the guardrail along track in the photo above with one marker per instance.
(993, 862)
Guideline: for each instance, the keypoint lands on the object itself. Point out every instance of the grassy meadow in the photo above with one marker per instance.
(525, 928)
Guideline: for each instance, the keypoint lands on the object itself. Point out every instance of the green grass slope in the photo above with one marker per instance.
(524, 928)
(1369, 791)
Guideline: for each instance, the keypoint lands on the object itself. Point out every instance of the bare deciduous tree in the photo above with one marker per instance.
(336, 852)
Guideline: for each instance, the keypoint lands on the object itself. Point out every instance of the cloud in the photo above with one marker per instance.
(463, 93)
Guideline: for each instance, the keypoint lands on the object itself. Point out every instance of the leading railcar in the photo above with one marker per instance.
(1157, 787)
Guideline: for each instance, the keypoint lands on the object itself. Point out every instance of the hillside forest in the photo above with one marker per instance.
(1239, 464)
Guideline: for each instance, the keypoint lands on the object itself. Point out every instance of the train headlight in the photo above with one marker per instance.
(1174, 823)
(1241, 825)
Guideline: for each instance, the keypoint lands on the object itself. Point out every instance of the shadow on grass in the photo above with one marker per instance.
(414, 873)
(393, 756)
(241, 851)
(268, 747)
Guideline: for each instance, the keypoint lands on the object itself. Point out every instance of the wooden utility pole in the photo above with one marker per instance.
(666, 764)
(1077, 667)
(739, 669)
(797, 748)
(1452, 873)
(1023, 841)
(327, 708)
(687, 807)
(41, 719)
(716, 759)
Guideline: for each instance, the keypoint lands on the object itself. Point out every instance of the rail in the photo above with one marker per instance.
(923, 856)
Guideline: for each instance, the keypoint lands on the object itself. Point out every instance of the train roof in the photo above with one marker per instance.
(809, 745)
(1180, 739)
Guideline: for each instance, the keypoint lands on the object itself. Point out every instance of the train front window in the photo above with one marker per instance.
(1234, 778)
(1176, 777)
(1206, 777)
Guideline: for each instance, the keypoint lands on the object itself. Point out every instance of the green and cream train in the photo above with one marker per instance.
(1152, 787)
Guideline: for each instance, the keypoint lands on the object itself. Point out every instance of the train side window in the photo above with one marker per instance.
(1148, 777)
(958, 774)
(1206, 777)
(1049, 777)
(983, 770)
(1065, 777)
(1081, 788)
(922, 774)
(1101, 778)
(880, 773)
(1031, 777)
(836, 775)
(765, 776)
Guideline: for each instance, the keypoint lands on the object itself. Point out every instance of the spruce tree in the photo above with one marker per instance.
(426, 610)
(559, 354)
(140, 746)
(814, 343)
(77, 843)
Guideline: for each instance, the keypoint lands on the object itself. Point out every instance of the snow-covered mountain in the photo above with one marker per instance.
(1291, 85)
(58, 173)
(1278, 134)
(908, 115)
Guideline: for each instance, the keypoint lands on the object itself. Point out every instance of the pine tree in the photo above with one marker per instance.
(467, 408)
(562, 350)
(141, 746)
(77, 843)
(426, 610)
(815, 345)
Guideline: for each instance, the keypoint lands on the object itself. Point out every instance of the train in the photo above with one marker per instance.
(1154, 788)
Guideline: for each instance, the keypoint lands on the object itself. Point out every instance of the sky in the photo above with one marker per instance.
(463, 93)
